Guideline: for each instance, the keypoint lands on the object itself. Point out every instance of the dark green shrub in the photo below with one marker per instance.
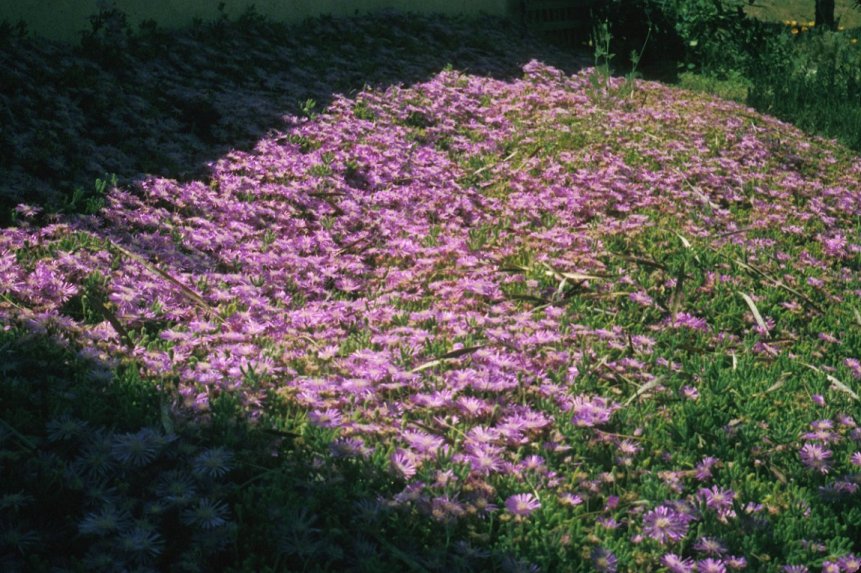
(712, 36)
(630, 23)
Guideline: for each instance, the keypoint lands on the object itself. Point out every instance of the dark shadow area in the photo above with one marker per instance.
(152, 102)
(101, 473)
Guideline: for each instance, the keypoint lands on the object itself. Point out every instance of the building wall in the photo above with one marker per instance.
(65, 19)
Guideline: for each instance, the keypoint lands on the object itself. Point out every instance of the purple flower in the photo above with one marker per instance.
(665, 524)
(795, 569)
(570, 499)
(854, 365)
(522, 504)
(830, 567)
(816, 457)
(604, 561)
(835, 245)
(711, 566)
(808, 544)
(404, 463)
(533, 463)
(710, 546)
(685, 320)
(826, 337)
(484, 459)
(717, 499)
(850, 563)
(704, 468)
(591, 411)
(736, 562)
(329, 418)
(676, 564)
(641, 298)
(690, 393)
(27, 211)
(423, 442)
(855, 459)
(349, 447)
(611, 503)
(445, 509)
(823, 436)
(607, 521)
(838, 489)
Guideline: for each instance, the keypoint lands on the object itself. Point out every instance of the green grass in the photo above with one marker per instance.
(802, 11)
(734, 88)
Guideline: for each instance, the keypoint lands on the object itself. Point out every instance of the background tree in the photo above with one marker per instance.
(825, 14)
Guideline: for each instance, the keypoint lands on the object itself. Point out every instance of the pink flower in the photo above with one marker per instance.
(591, 411)
(711, 566)
(665, 524)
(676, 564)
(570, 499)
(641, 298)
(522, 504)
(850, 563)
(27, 211)
(690, 393)
(716, 498)
(816, 457)
(329, 418)
(710, 546)
(854, 365)
(685, 320)
(404, 463)
(604, 561)
(704, 468)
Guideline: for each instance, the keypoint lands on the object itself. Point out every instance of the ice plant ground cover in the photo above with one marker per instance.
(555, 322)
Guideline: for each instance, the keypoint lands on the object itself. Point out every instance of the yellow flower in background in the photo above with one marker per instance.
(811, 23)
(853, 41)
(804, 28)
(794, 31)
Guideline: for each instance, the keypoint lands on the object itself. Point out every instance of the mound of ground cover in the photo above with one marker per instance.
(585, 326)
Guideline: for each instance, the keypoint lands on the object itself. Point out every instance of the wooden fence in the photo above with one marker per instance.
(563, 21)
